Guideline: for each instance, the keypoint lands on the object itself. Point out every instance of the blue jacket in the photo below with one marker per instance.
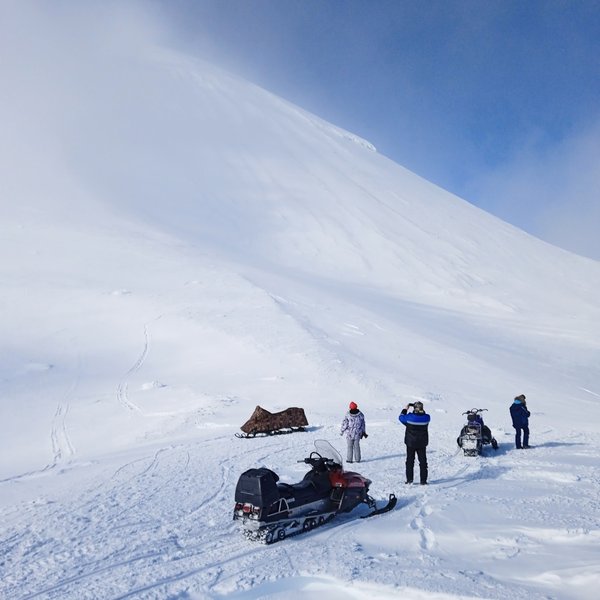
(416, 435)
(520, 415)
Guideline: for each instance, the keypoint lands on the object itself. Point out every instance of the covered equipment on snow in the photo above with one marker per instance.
(262, 422)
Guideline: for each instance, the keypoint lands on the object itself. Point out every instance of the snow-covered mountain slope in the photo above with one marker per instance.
(179, 246)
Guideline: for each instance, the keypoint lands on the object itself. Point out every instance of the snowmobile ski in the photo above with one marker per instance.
(253, 434)
(379, 511)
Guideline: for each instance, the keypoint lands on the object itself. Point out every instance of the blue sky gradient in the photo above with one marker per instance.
(491, 100)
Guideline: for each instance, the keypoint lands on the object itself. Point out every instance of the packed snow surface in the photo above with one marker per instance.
(179, 246)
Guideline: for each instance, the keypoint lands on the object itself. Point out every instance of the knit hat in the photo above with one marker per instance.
(418, 407)
(353, 406)
(521, 397)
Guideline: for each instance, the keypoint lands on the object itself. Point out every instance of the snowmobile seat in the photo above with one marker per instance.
(303, 491)
(285, 490)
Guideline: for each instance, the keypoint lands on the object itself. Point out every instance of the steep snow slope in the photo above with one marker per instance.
(185, 184)
(249, 174)
(178, 246)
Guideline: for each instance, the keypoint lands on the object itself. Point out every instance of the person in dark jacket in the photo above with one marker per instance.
(520, 420)
(416, 439)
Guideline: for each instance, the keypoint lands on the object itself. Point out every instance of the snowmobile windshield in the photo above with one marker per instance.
(326, 450)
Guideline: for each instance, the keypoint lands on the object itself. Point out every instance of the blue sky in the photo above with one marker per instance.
(497, 101)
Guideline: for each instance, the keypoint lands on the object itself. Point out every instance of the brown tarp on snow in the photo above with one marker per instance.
(263, 421)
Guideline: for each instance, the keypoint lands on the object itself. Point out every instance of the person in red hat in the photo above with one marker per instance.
(354, 427)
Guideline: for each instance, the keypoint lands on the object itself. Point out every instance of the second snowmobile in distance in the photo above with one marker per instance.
(475, 434)
(270, 511)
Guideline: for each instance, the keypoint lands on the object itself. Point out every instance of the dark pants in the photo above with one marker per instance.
(410, 463)
(518, 436)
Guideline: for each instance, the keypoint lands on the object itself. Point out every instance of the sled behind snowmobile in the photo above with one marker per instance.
(271, 510)
(263, 423)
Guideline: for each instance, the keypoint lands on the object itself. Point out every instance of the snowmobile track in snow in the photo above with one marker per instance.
(122, 396)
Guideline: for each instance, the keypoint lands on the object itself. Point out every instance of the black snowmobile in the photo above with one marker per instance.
(271, 511)
(475, 434)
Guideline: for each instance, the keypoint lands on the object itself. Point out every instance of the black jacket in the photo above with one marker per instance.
(416, 435)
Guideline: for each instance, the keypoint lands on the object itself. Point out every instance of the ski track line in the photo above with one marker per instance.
(99, 499)
(91, 503)
(219, 550)
(229, 543)
(60, 441)
(243, 553)
(66, 446)
(225, 548)
(227, 551)
(225, 544)
(154, 490)
(62, 448)
(78, 578)
(225, 469)
(212, 497)
(96, 495)
(103, 498)
(138, 482)
(122, 396)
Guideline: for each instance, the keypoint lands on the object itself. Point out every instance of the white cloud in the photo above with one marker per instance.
(553, 193)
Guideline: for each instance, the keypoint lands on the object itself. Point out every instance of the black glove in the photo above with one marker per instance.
(364, 435)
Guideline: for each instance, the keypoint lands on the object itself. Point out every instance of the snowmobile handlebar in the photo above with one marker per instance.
(316, 460)
(474, 411)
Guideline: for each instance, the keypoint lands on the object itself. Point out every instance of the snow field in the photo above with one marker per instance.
(157, 523)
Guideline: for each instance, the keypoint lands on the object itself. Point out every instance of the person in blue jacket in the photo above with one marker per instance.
(416, 439)
(520, 420)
